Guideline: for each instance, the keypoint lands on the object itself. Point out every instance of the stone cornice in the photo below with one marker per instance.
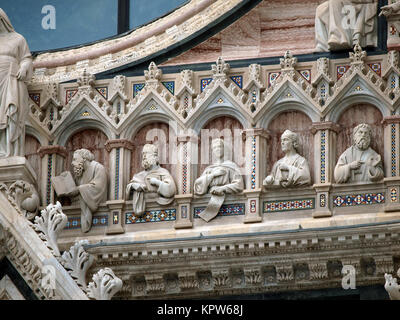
(317, 126)
(118, 143)
(60, 150)
(391, 119)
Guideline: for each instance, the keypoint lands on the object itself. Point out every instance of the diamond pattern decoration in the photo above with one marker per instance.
(376, 67)
(225, 210)
(341, 70)
(151, 216)
(358, 199)
(170, 85)
(288, 205)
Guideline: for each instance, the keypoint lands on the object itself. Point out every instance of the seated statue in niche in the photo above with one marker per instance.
(292, 170)
(222, 177)
(15, 70)
(154, 182)
(90, 184)
(341, 24)
(359, 163)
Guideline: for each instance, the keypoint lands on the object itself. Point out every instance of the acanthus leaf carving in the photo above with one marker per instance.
(49, 224)
(104, 286)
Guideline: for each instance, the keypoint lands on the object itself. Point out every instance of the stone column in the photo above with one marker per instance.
(52, 158)
(392, 161)
(324, 164)
(256, 148)
(119, 171)
(187, 151)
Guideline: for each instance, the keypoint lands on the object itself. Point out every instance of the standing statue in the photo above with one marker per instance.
(218, 179)
(359, 163)
(90, 184)
(154, 181)
(15, 70)
(292, 170)
(341, 24)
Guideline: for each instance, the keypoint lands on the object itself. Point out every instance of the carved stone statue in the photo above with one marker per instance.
(154, 181)
(15, 70)
(341, 24)
(292, 170)
(359, 163)
(90, 184)
(220, 178)
(390, 9)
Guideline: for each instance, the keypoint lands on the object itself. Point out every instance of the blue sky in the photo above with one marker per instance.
(78, 21)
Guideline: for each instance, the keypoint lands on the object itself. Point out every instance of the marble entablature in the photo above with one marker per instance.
(321, 101)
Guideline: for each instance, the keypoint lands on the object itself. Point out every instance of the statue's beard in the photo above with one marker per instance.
(148, 163)
(78, 169)
(363, 143)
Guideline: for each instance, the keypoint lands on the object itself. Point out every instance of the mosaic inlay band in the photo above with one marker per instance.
(97, 221)
(289, 205)
(323, 156)
(253, 162)
(236, 209)
(358, 199)
(151, 216)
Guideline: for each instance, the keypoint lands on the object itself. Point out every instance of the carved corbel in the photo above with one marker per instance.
(104, 286)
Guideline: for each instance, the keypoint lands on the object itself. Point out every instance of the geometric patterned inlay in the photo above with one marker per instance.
(137, 88)
(376, 67)
(306, 74)
(288, 205)
(235, 209)
(151, 216)
(97, 221)
(103, 91)
(393, 195)
(35, 98)
(170, 85)
(204, 83)
(272, 76)
(253, 162)
(341, 70)
(238, 80)
(69, 94)
(358, 199)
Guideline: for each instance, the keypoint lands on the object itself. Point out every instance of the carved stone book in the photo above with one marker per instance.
(64, 183)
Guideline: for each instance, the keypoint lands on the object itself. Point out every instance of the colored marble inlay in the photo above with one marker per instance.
(35, 98)
(51, 114)
(97, 221)
(393, 30)
(253, 162)
(238, 80)
(204, 83)
(393, 82)
(103, 91)
(117, 159)
(323, 156)
(49, 174)
(253, 206)
(393, 195)
(393, 149)
(322, 91)
(306, 74)
(69, 94)
(115, 217)
(358, 199)
(272, 77)
(236, 209)
(254, 96)
(288, 205)
(137, 88)
(341, 70)
(184, 211)
(322, 200)
(184, 169)
(376, 67)
(170, 85)
(151, 216)
(152, 107)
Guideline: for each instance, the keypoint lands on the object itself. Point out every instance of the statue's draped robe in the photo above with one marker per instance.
(232, 180)
(365, 173)
(163, 195)
(298, 174)
(14, 53)
(331, 32)
(92, 186)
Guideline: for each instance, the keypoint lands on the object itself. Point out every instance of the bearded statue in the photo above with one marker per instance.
(359, 163)
(152, 184)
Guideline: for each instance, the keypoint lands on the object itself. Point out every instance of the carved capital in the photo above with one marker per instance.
(118, 143)
(256, 132)
(62, 151)
(318, 126)
(390, 120)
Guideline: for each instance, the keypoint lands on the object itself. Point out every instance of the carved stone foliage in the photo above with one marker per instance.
(104, 286)
(23, 196)
(49, 225)
(392, 287)
(77, 261)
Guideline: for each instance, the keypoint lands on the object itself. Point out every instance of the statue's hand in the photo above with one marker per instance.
(22, 73)
(386, 10)
(135, 186)
(218, 191)
(268, 180)
(355, 165)
(155, 182)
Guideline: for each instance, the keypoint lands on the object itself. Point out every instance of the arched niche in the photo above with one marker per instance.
(160, 134)
(32, 146)
(91, 139)
(353, 116)
(297, 122)
(230, 130)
